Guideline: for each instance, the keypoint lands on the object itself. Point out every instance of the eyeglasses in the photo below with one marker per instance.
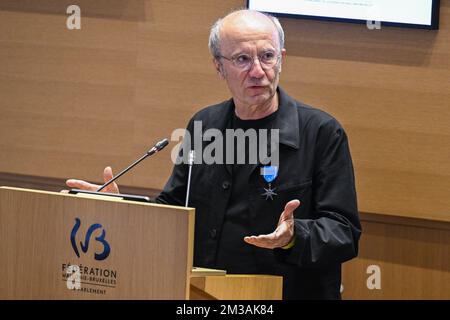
(245, 62)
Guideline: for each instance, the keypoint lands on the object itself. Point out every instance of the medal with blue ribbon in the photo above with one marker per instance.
(269, 173)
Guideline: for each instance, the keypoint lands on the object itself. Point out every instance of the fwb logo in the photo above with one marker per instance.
(85, 246)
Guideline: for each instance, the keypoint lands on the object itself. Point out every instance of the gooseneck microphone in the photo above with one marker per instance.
(157, 147)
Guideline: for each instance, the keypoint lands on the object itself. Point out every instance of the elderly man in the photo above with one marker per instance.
(301, 220)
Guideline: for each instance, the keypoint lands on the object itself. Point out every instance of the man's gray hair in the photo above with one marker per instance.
(214, 36)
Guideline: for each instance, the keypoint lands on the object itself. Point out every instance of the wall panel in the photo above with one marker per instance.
(74, 101)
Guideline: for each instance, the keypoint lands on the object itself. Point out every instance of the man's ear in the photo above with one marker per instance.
(283, 57)
(219, 68)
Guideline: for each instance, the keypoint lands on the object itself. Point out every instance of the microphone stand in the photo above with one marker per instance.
(191, 162)
(158, 147)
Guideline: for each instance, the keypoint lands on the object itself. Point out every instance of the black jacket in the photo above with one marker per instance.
(315, 167)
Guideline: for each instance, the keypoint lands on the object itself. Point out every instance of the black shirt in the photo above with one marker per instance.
(236, 224)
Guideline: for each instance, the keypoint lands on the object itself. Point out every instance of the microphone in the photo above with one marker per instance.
(191, 162)
(156, 148)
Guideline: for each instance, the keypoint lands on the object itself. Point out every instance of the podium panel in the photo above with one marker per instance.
(61, 246)
(237, 287)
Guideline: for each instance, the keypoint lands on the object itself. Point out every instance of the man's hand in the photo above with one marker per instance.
(83, 185)
(283, 233)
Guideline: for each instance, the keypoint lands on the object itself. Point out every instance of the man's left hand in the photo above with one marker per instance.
(284, 232)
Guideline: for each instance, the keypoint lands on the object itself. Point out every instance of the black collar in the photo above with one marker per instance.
(287, 120)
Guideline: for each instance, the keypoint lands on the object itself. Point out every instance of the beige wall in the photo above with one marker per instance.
(72, 102)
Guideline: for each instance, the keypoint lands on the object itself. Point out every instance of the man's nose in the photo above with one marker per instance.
(256, 70)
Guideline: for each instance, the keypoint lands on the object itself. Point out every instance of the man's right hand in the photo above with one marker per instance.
(84, 185)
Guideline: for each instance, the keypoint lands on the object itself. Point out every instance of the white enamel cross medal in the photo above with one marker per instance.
(269, 174)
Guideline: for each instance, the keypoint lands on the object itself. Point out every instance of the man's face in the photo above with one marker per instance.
(256, 86)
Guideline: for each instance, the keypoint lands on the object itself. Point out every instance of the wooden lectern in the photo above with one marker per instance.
(62, 246)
